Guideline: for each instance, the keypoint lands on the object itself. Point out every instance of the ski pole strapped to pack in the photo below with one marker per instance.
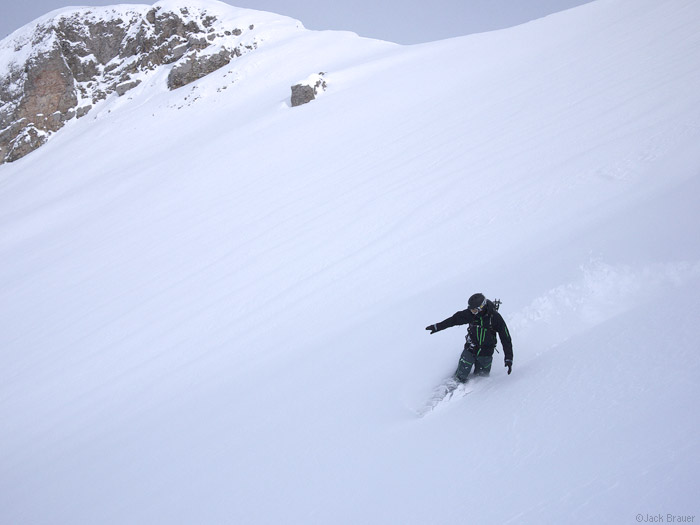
(496, 303)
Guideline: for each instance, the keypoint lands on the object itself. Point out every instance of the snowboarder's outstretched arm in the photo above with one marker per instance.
(457, 319)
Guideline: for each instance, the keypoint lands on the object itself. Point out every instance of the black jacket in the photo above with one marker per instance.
(481, 334)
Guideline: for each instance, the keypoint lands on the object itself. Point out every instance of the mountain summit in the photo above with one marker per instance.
(63, 64)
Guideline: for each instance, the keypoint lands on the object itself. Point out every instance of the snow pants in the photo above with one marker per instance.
(481, 364)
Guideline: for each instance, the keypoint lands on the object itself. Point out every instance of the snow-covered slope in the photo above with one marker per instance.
(213, 303)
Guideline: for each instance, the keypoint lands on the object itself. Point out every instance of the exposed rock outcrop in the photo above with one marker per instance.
(122, 88)
(61, 67)
(196, 66)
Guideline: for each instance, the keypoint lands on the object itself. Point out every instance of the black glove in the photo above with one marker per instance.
(432, 328)
(509, 365)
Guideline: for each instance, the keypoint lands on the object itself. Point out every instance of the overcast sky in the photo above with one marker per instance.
(402, 21)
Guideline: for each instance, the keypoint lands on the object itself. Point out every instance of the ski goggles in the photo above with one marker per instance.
(478, 308)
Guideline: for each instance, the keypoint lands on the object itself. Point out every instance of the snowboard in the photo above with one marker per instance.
(447, 391)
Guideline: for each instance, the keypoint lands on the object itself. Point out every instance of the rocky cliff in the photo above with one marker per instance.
(60, 66)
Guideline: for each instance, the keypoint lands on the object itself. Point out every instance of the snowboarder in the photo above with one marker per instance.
(484, 322)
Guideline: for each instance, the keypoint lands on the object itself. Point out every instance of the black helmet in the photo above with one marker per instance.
(477, 302)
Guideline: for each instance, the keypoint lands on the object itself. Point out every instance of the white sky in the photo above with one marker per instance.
(402, 21)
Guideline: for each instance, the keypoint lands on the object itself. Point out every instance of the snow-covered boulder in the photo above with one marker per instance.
(306, 91)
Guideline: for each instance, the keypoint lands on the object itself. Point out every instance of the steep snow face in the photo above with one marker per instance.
(213, 303)
(59, 66)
